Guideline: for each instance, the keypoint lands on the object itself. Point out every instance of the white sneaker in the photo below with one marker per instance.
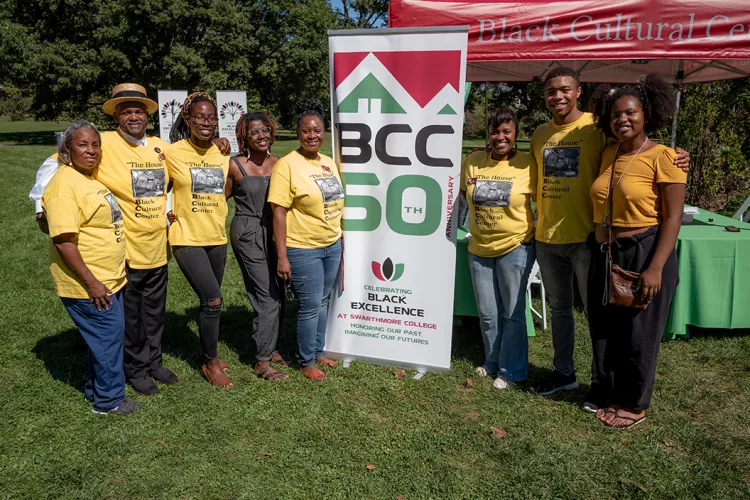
(482, 371)
(501, 383)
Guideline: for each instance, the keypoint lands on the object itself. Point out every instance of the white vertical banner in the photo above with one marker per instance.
(397, 108)
(231, 105)
(170, 107)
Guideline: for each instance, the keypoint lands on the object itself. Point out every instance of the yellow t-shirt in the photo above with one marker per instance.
(198, 177)
(312, 191)
(79, 204)
(637, 197)
(568, 159)
(499, 195)
(137, 176)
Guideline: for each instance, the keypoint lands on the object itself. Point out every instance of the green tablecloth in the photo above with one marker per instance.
(714, 290)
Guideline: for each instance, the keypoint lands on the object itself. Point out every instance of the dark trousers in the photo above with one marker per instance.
(626, 341)
(256, 254)
(103, 332)
(145, 304)
(203, 267)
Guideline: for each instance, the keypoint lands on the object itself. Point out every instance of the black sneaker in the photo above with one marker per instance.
(127, 406)
(164, 375)
(144, 385)
(558, 382)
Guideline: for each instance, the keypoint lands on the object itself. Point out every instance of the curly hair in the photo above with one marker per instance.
(243, 128)
(500, 116)
(63, 149)
(654, 94)
(308, 107)
(563, 71)
(181, 128)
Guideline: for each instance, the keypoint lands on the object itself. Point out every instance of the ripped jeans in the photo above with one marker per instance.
(203, 267)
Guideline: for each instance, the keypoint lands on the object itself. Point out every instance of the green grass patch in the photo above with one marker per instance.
(299, 439)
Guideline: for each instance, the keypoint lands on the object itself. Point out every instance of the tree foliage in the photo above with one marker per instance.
(70, 53)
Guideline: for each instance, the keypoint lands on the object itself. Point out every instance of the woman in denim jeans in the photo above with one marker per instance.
(307, 200)
(499, 184)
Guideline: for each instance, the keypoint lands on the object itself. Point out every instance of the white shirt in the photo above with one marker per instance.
(50, 166)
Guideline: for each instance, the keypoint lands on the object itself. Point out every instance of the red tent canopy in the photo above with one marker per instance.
(607, 41)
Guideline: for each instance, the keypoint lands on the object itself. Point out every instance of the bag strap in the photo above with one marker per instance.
(608, 223)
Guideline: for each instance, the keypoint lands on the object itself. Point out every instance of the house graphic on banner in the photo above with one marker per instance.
(380, 82)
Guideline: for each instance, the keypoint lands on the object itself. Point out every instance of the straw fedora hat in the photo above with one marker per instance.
(129, 92)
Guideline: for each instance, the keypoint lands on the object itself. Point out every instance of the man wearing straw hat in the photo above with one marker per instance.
(133, 168)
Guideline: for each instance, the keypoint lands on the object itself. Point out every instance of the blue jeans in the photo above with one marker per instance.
(103, 331)
(558, 264)
(314, 271)
(500, 291)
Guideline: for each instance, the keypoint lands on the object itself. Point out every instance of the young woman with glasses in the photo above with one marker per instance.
(199, 242)
(251, 234)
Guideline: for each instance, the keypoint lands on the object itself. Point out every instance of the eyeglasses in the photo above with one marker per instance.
(203, 119)
(289, 292)
(266, 131)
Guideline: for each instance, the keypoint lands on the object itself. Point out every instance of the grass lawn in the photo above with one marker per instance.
(299, 439)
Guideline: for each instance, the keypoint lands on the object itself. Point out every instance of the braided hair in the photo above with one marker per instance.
(654, 94)
(243, 128)
(308, 107)
(181, 128)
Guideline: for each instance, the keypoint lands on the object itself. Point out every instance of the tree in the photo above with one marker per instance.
(70, 54)
(363, 13)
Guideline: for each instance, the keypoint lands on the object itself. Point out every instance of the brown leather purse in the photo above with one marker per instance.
(621, 286)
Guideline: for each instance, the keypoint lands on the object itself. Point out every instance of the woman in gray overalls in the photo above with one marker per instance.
(251, 235)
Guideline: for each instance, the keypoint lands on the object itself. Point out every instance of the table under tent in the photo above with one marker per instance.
(683, 41)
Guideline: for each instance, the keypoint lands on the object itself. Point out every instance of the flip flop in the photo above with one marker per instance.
(605, 412)
(275, 375)
(218, 381)
(322, 360)
(316, 375)
(633, 421)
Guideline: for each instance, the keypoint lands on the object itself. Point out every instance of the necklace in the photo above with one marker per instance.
(629, 163)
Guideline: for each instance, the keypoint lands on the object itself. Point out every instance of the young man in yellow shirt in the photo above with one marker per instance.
(568, 153)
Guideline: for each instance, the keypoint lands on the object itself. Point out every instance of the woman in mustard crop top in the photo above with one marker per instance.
(647, 205)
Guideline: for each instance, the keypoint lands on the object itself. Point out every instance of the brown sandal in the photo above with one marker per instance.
(219, 381)
(222, 365)
(273, 375)
(281, 360)
(315, 374)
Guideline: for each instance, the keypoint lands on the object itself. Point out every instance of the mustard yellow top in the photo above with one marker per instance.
(637, 197)
(137, 176)
(198, 178)
(568, 159)
(81, 205)
(499, 195)
(312, 191)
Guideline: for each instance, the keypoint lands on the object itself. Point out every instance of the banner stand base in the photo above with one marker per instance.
(347, 363)
(418, 375)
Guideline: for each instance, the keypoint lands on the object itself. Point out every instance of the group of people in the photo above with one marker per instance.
(606, 195)
(103, 201)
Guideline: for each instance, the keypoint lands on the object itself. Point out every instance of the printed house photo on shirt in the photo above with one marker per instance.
(207, 180)
(148, 183)
(331, 189)
(561, 162)
(116, 214)
(492, 193)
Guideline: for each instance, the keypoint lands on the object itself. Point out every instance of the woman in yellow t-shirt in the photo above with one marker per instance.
(648, 196)
(499, 184)
(307, 200)
(87, 263)
(198, 238)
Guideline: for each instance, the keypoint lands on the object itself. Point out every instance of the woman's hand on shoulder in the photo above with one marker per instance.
(223, 144)
(682, 160)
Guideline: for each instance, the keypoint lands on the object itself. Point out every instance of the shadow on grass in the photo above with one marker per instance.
(65, 356)
(29, 138)
(717, 333)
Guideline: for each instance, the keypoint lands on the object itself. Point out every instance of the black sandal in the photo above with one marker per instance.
(275, 375)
